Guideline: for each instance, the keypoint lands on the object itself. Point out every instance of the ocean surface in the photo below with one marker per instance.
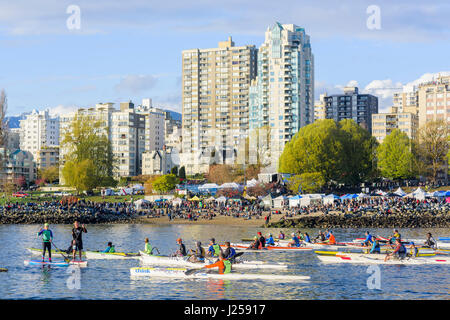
(110, 279)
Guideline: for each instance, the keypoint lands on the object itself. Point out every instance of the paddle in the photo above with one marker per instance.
(61, 252)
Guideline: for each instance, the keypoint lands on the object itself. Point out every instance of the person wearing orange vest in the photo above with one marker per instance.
(331, 238)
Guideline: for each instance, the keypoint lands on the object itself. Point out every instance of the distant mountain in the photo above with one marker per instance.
(175, 115)
(14, 120)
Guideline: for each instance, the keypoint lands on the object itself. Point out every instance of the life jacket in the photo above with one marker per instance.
(216, 248)
(112, 249)
(332, 239)
(227, 265)
(46, 235)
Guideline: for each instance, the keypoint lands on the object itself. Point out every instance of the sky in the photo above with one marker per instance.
(130, 50)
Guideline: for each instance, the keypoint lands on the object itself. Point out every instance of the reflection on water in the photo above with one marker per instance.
(110, 279)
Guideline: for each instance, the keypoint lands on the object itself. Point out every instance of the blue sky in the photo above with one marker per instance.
(132, 49)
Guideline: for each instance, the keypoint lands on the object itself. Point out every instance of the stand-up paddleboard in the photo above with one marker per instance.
(55, 263)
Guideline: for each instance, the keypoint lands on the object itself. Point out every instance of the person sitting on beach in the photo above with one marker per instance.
(399, 251)
(199, 254)
(109, 249)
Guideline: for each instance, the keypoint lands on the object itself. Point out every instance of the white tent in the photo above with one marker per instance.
(138, 204)
(221, 199)
(138, 187)
(252, 183)
(362, 195)
(279, 202)
(329, 199)
(419, 194)
(107, 192)
(208, 187)
(400, 192)
(294, 201)
(308, 199)
(229, 185)
(267, 200)
(177, 201)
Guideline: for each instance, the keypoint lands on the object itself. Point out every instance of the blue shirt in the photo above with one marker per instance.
(270, 241)
(375, 248)
(297, 242)
(307, 239)
(368, 238)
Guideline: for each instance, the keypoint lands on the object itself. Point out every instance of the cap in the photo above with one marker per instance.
(259, 232)
(255, 237)
(46, 224)
(179, 240)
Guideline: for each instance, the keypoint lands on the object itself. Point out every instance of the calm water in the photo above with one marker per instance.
(110, 279)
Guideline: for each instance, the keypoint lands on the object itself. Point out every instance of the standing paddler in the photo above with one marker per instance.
(47, 237)
(77, 236)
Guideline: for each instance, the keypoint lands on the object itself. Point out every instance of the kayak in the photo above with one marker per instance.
(361, 258)
(180, 273)
(183, 262)
(55, 253)
(111, 255)
(239, 246)
(55, 263)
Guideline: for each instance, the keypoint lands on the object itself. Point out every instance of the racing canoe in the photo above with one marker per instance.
(180, 273)
(183, 262)
(111, 255)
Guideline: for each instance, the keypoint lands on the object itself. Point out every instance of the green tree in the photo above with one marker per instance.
(182, 173)
(316, 147)
(87, 143)
(395, 156)
(359, 154)
(50, 174)
(165, 183)
(309, 182)
(80, 175)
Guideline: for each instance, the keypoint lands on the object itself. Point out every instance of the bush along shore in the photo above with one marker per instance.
(399, 220)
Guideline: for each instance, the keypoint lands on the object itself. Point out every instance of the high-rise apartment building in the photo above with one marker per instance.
(434, 100)
(384, 123)
(320, 108)
(38, 130)
(407, 100)
(282, 97)
(352, 105)
(215, 110)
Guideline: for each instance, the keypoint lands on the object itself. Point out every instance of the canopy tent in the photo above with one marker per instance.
(294, 201)
(381, 193)
(267, 200)
(229, 185)
(312, 198)
(279, 201)
(195, 198)
(329, 199)
(210, 199)
(362, 195)
(400, 192)
(208, 187)
(221, 199)
(252, 183)
(418, 194)
(138, 204)
(349, 196)
(138, 187)
(177, 201)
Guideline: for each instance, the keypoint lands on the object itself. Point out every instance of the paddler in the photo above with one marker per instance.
(414, 251)
(281, 236)
(148, 249)
(214, 249)
(47, 237)
(369, 240)
(229, 253)
(320, 237)
(306, 238)
(430, 242)
(256, 245)
(396, 235)
(77, 235)
(223, 264)
(199, 254)
(181, 252)
(331, 238)
(110, 248)
(375, 247)
(262, 240)
(295, 242)
(270, 240)
(399, 251)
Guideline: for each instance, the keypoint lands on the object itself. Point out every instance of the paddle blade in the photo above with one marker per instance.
(191, 271)
(238, 254)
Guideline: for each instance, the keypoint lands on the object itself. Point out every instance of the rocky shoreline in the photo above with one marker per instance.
(366, 221)
(64, 218)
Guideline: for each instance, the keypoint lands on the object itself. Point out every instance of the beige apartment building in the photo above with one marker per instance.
(48, 157)
(434, 100)
(384, 123)
(320, 108)
(215, 109)
(407, 100)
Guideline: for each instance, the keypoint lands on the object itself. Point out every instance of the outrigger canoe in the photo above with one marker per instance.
(183, 262)
(363, 258)
(82, 263)
(111, 255)
(180, 273)
(239, 246)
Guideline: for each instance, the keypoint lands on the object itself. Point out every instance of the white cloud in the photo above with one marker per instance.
(61, 110)
(136, 83)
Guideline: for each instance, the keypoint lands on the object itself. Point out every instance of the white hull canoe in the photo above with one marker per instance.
(182, 262)
(55, 253)
(417, 242)
(360, 258)
(55, 263)
(113, 255)
(180, 273)
(244, 247)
